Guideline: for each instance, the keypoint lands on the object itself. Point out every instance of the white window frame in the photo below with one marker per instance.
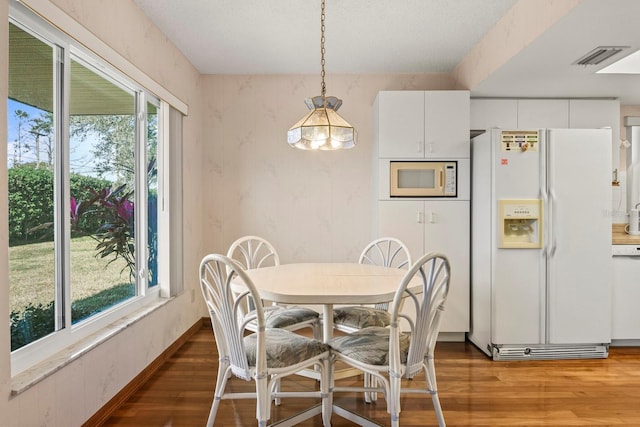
(44, 348)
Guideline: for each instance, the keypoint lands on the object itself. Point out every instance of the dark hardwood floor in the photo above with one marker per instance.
(474, 391)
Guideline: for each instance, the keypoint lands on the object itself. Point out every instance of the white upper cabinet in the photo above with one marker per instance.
(510, 113)
(400, 123)
(592, 113)
(446, 128)
(494, 113)
(422, 124)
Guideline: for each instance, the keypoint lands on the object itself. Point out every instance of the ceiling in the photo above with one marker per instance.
(401, 36)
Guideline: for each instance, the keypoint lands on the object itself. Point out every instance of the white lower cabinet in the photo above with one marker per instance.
(625, 325)
(435, 226)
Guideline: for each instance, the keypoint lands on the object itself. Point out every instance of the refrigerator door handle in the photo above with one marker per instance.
(544, 194)
(549, 178)
(552, 223)
(545, 237)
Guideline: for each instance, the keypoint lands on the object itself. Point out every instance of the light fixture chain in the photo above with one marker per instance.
(322, 128)
(323, 88)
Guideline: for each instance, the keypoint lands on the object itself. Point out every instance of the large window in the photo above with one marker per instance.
(83, 166)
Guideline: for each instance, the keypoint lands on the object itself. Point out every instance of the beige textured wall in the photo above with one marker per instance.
(313, 206)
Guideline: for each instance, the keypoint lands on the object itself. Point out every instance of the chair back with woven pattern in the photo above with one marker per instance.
(224, 302)
(432, 272)
(386, 252)
(253, 252)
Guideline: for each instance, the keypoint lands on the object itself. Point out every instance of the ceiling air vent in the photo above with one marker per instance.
(599, 54)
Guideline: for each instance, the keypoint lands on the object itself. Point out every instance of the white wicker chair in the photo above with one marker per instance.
(264, 356)
(256, 252)
(387, 252)
(389, 355)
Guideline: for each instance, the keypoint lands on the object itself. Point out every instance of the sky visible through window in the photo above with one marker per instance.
(13, 126)
(81, 159)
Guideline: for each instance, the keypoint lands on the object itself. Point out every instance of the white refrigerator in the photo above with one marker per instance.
(541, 266)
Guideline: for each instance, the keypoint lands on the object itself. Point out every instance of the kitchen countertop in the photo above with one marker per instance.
(620, 237)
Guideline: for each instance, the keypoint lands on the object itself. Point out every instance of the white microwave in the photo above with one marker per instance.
(423, 179)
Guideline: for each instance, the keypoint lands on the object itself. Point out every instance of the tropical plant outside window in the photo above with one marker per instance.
(83, 189)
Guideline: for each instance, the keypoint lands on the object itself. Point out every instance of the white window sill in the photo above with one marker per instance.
(32, 376)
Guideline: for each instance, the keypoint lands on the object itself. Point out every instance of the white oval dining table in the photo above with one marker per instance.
(326, 284)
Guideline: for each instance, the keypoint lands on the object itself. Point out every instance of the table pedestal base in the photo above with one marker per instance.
(317, 410)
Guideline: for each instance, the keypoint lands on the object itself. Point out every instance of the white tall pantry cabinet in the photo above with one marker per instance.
(425, 126)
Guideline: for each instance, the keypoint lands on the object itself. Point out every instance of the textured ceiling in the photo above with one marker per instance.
(362, 36)
(402, 36)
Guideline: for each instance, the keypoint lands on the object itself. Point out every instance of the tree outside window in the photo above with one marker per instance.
(99, 198)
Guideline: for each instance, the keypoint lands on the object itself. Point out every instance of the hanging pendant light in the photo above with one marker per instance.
(322, 128)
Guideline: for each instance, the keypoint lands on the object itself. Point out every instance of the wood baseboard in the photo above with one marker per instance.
(110, 407)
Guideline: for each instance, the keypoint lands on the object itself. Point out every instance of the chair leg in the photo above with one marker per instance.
(263, 401)
(213, 411)
(326, 383)
(438, 409)
(393, 400)
(373, 396)
(223, 375)
(316, 327)
(276, 389)
(371, 382)
(367, 383)
(432, 386)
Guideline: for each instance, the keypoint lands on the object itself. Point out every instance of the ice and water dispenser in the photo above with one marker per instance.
(520, 223)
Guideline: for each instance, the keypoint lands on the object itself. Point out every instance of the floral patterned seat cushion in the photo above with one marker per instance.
(284, 348)
(361, 317)
(288, 316)
(370, 345)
